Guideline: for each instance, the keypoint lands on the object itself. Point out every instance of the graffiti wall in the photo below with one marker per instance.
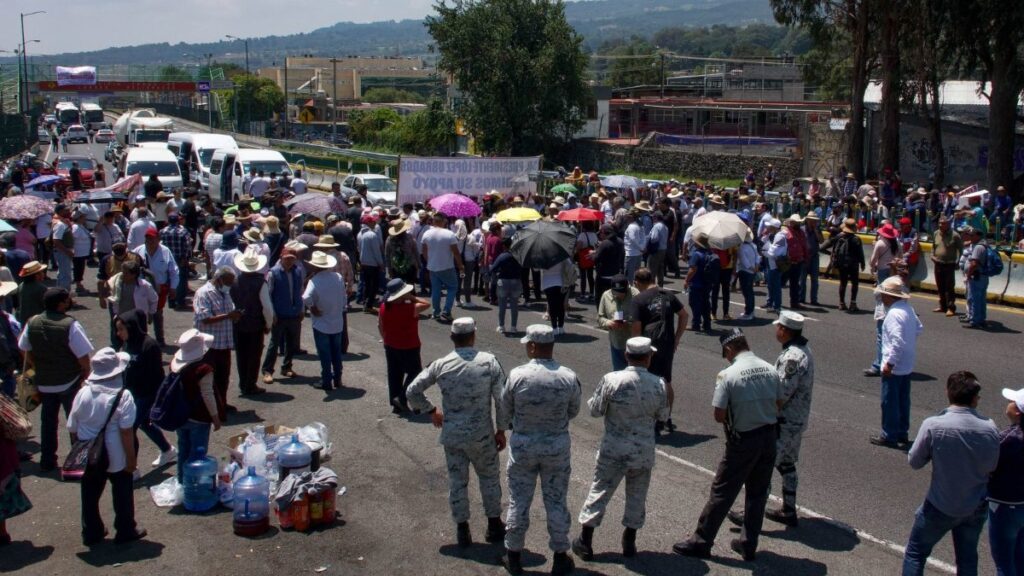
(965, 150)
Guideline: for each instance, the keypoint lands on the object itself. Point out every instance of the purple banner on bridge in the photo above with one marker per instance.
(76, 76)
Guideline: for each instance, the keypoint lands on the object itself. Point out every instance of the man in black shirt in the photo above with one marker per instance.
(76, 176)
(354, 214)
(344, 236)
(608, 259)
(190, 213)
(660, 316)
(152, 187)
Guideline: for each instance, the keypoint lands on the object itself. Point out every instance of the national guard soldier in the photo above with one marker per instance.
(746, 399)
(469, 380)
(539, 399)
(630, 401)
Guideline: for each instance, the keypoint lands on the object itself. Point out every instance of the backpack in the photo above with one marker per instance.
(657, 329)
(712, 269)
(170, 407)
(993, 265)
(841, 253)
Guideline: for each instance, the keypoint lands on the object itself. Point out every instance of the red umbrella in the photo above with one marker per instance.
(581, 215)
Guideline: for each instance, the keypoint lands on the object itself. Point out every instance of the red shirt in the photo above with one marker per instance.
(494, 247)
(400, 325)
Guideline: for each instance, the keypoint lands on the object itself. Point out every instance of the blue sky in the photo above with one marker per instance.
(76, 26)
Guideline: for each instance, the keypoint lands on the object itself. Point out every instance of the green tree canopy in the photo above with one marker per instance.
(520, 67)
(387, 94)
(258, 98)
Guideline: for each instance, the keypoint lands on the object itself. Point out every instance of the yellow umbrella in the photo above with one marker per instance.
(518, 215)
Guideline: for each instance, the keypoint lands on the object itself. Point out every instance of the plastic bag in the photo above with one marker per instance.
(168, 493)
(226, 480)
(316, 433)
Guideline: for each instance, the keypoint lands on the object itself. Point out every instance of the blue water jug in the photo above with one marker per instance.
(293, 458)
(252, 504)
(200, 482)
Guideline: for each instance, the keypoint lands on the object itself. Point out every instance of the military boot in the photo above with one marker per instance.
(465, 539)
(495, 531)
(628, 542)
(583, 546)
(513, 562)
(562, 565)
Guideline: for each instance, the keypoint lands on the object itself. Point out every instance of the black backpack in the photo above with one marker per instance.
(171, 408)
(841, 255)
(660, 308)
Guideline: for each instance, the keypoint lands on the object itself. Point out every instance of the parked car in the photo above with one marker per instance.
(103, 136)
(86, 164)
(43, 136)
(380, 189)
(112, 151)
(77, 133)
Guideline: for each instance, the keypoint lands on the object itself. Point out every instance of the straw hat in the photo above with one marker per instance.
(794, 219)
(323, 261)
(192, 345)
(675, 193)
(849, 225)
(716, 199)
(32, 268)
(401, 225)
(643, 206)
(253, 235)
(250, 261)
(893, 286)
(326, 241)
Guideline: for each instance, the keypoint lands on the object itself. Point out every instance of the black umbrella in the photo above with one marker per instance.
(100, 197)
(543, 244)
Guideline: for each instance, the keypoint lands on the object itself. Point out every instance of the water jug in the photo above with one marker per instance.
(200, 482)
(293, 457)
(252, 504)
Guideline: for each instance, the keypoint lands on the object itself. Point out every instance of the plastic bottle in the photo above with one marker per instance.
(300, 513)
(251, 504)
(293, 458)
(200, 477)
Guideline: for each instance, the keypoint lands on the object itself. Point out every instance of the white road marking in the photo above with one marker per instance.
(938, 564)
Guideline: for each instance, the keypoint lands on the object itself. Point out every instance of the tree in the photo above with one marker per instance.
(521, 68)
(928, 59)
(171, 73)
(257, 98)
(637, 64)
(388, 94)
(365, 126)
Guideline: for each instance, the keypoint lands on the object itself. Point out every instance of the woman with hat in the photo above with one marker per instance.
(400, 252)
(206, 407)
(847, 260)
(398, 323)
(104, 406)
(29, 295)
(885, 250)
(326, 299)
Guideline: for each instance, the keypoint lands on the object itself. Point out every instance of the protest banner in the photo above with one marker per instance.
(76, 76)
(421, 178)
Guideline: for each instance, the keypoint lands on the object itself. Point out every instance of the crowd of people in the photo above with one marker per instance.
(262, 269)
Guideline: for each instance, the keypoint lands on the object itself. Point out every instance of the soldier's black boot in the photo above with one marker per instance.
(513, 562)
(583, 546)
(463, 535)
(562, 565)
(495, 530)
(628, 542)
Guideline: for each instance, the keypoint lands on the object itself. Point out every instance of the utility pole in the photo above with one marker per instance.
(334, 100)
(25, 104)
(662, 75)
(284, 118)
(209, 95)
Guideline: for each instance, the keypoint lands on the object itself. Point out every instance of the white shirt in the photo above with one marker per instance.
(159, 210)
(473, 244)
(43, 226)
(634, 240)
(747, 258)
(83, 240)
(89, 413)
(900, 330)
(438, 242)
(299, 186)
(552, 277)
(137, 232)
(777, 249)
(226, 258)
(77, 341)
(259, 186)
(326, 291)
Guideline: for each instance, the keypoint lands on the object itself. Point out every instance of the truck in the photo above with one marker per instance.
(142, 127)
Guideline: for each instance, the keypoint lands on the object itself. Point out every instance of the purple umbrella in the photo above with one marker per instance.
(315, 203)
(456, 206)
(24, 207)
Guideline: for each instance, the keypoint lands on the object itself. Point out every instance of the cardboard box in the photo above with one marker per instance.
(236, 442)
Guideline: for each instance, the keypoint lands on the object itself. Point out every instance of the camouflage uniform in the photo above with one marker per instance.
(539, 399)
(631, 401)
(796, 372)
(469, 381)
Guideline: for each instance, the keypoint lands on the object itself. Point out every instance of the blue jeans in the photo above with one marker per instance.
(632, 265)
(896, 407)
(443, 280)
(877, 364)
(700, 305)
(508, 292)
(142, 422)
(930, 525)
(774, 280)
(747, 288)
(190, 437)
(977, 289)
(64, 269)
(618, 358)
(1006, 538)
(328, 348)
(811, 270)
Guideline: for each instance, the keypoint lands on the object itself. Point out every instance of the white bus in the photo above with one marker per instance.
(67, 114)
(92, 116)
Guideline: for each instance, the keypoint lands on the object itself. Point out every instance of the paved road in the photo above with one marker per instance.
(395, 513)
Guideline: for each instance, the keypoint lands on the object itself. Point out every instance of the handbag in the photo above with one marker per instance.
(26, 391)
(90, 456)
(14, 422)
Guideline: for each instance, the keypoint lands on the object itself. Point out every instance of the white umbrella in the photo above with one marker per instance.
(724, 229)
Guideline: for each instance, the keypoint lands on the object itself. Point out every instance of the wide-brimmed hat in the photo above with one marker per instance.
(849, 225)
(560, 200)
(794, 219)
(401, 225)
(192, 345)
(253, 235)
(251, 260)
(893, 286)
(675, 193)
(888, 231)
(33, 267)
(297, 246)
(716, 199)
(323, 260)
(811, 216)
(6, 288)
(106, 364)
(643, 206)
(398, 288)
(326, 241)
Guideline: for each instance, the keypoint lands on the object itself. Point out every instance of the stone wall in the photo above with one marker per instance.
(612, 158)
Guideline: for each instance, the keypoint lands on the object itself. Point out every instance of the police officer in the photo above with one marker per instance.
(630, 401)
(746, 399)
(539, 399)
(469, 381)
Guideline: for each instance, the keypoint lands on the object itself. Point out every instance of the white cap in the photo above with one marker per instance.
(1015, 396)
(538, 334)
(773, 223)
(791, 320)
(639, 345)
(464, 325)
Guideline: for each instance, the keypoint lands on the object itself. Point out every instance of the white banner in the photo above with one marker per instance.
(420, 179)
(76, 76)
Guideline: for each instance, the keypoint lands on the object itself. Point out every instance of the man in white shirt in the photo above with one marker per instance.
(160, 262)
(900, 331)
(299, 185)
(259, 185)
(137, 231)
(440, 249)
(635, 242)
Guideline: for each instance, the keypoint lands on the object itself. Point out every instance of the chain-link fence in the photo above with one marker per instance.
(17, 132)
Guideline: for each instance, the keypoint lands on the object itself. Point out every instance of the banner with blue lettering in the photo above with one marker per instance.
(421, 178)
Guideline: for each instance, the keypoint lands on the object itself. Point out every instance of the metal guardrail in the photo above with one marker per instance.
(375, 157)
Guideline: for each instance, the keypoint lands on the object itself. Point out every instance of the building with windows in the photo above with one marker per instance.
(309, 76)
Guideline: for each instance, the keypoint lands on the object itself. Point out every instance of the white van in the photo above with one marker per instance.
(194, 151)
(147, 161)
(229, 167)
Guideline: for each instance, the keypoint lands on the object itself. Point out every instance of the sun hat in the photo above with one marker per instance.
(33, 267)
(538, 334)
(791, 320)
(794, 219)
(893, 286)
(716, 199)
(326, 241)
(773, 223)
(323, 260)
(106, 364)
(6, 288)
(400, 226)
(251, 260)
(675, 193)
(640, 345)
(253, 235)
(464, 325)
(192, 345)
(560, 200)
(887, 231)
(643, 206)
(297, 246)
(398, 288)
(849, 225)
(1015, 396)
(811, 216)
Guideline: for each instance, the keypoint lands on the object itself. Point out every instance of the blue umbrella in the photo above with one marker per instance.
(42, 180)
(6, 227)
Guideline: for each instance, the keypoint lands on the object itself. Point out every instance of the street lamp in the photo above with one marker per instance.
(248, 93)
(24, 59)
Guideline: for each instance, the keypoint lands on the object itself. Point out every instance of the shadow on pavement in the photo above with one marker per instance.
(21, 554)
(649, 563)
(479, 552)
(769, 563)
(355, 357)
(574, 338)
(243, 417)
(344, 393)
(919, 377)
(679, 439)
(818, 534)
(270, 397)
(109, 553)
(996, 327)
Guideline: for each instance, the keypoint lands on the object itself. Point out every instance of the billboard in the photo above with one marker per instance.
(76, 76)
(421, 178)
